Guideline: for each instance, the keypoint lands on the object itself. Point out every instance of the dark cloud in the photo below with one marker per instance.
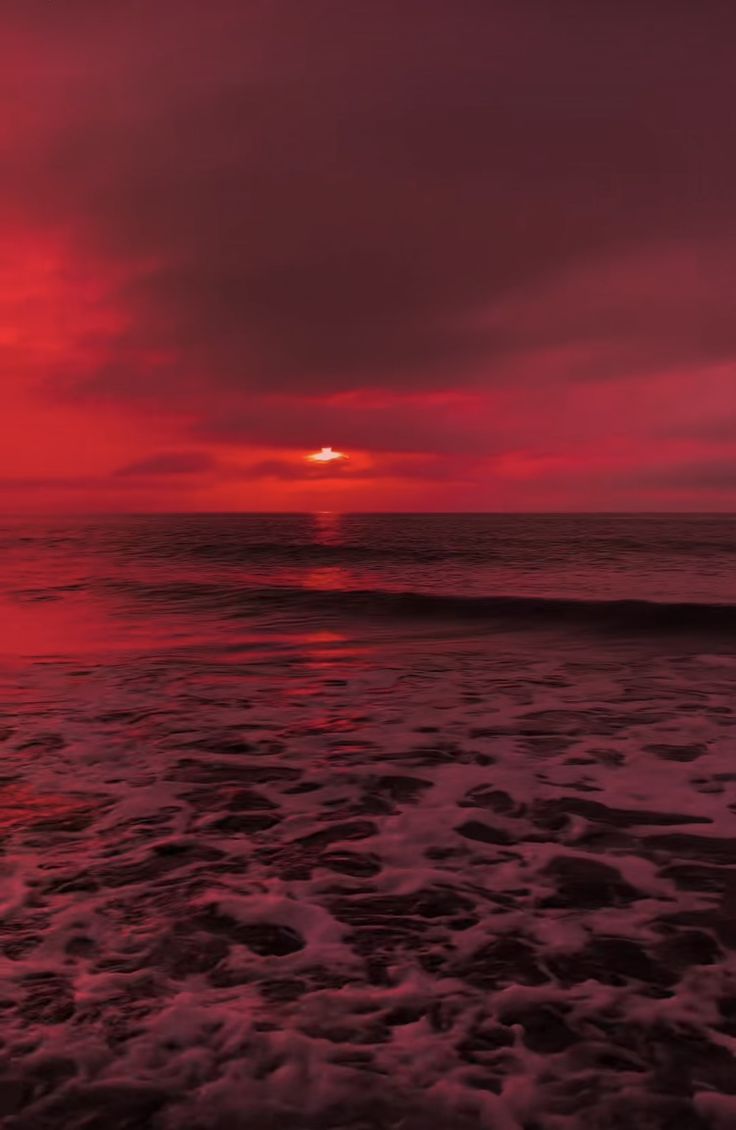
(169, 463)
(709, 425)
(197, 464)
(33, 483)
(303, 198)
(381, 425)
(289, 470)
(701, 475)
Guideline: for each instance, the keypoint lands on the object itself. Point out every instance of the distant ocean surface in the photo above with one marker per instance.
(368, 822)
(283, 571)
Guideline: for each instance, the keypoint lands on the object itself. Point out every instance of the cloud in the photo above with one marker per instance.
(383, 197)
(427, 468)
(717, 475)
(290, 470)
(169, 463)
(480, 235)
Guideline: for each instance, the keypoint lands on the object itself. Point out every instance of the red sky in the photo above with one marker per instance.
(486, 248)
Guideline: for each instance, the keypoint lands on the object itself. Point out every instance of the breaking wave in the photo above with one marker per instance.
(522, 611)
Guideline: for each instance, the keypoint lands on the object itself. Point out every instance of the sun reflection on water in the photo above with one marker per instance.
(327, 527)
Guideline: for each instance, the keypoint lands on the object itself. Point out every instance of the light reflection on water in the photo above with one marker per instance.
(312, 788)
(327, 527)
(328, 577)
(81, 585)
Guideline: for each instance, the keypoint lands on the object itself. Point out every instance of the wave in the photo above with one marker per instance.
(308, 552)
(521, 611)
(229, 550)
(628, 614)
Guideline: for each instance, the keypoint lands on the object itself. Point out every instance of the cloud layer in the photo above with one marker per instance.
(479, 235)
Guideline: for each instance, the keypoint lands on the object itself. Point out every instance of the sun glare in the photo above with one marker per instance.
(326, 455)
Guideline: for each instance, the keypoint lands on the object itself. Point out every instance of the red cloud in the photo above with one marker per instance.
(505, 242)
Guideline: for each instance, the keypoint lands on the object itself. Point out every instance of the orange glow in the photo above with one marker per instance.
(326, 455)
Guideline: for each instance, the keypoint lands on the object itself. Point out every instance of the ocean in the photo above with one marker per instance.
(368, 821)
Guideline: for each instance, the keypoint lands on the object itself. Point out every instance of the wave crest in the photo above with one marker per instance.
(511, 610)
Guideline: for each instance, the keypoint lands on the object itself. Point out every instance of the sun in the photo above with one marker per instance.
(326, 455)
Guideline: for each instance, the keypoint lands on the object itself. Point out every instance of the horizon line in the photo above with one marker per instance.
(382, 513)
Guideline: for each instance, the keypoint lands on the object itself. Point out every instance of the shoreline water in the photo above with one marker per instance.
(259, 868)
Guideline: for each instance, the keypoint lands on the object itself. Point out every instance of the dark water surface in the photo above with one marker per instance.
(368, 821)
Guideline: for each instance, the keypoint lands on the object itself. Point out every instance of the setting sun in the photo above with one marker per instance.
(326, 455)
